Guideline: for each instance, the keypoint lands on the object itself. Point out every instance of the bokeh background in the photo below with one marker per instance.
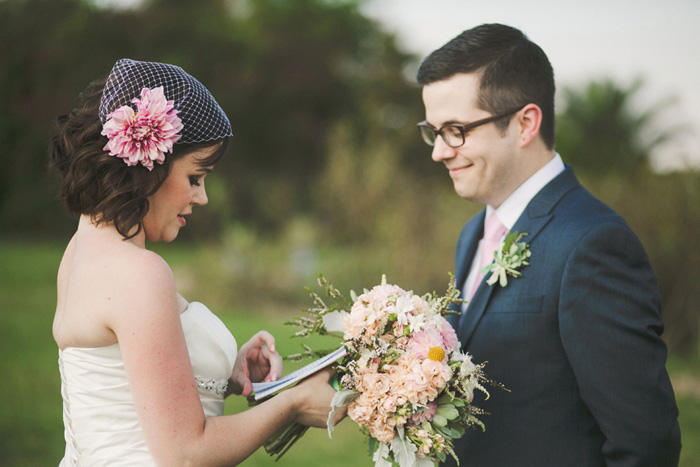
(326, 171)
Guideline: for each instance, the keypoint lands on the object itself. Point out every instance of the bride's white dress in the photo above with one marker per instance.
(101, 424)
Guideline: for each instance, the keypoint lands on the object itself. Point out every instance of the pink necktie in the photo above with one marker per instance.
(493, 232)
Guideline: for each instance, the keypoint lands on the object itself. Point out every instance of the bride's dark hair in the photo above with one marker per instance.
(102, 186)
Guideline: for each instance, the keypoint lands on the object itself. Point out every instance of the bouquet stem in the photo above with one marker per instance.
(284, 439)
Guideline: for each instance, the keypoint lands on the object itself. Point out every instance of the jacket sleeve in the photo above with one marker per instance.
(610, 325)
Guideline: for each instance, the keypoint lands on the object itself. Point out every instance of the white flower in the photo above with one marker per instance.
(333, 321)
(403, 309)
(416, 322)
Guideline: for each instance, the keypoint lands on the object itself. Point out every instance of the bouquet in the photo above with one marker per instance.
(409, 386)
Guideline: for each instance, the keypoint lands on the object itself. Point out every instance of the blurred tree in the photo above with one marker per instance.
(600, 132)
(303, 66)
(285, 72)
(44, 50)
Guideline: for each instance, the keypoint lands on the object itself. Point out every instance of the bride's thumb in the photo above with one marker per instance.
(247, 388)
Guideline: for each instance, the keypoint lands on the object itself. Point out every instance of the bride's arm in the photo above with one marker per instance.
(162, 381)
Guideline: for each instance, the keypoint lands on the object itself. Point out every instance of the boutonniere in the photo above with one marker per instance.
(508, 259)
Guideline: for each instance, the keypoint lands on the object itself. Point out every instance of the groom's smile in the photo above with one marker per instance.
(483, 169)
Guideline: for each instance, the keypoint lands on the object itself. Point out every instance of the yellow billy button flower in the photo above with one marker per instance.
(436, 354)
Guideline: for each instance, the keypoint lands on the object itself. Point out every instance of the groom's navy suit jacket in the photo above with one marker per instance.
(576, 340)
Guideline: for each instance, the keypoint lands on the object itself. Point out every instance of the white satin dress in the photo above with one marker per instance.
(101, 424)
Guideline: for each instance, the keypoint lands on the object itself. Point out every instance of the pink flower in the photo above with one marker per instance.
(359, 414)
(370, 313)
(421, 342)
(389, 403)
(424, 416)
(401, 342)
(385, 293)
(409, 381)
(448, 334)
(438, 373)
(145, 135)
(382, 427)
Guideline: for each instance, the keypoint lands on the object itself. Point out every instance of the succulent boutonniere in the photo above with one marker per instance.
(507, 260)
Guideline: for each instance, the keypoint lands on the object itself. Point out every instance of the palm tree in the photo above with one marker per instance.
(599, 131)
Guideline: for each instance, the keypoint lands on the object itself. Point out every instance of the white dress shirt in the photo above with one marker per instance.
(512, 208)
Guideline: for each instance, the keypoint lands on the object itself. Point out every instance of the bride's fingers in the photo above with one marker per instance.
(244, 367)
(247, 388)
(264, 337)
(274, 360)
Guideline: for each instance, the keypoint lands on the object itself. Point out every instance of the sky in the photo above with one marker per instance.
(658, 41)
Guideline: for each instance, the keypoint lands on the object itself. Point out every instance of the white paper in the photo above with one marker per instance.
(265, 389)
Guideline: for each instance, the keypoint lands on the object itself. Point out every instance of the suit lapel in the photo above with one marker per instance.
(536, 216)
(468, 242)
(466, 247)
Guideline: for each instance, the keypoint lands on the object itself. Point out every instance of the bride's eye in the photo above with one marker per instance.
(194, 181)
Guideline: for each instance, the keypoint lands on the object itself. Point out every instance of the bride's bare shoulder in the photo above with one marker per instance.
(115, 271)
(136, 269)
(103, 284)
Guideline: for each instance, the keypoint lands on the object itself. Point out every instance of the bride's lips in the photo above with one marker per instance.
(182, 220)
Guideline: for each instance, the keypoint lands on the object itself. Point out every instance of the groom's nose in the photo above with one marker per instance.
(441, 151)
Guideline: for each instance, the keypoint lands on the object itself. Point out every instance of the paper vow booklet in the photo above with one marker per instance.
(265, 389)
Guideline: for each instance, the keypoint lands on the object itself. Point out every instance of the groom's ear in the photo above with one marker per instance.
(529, 122)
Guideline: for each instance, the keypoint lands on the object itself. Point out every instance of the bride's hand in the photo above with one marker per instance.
(257, 360)
(313, 400)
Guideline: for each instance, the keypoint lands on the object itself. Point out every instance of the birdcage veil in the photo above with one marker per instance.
(202, 118)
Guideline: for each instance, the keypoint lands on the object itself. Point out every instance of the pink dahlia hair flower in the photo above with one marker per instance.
(144, 135)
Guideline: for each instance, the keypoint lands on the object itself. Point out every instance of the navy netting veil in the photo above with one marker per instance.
(202, 118)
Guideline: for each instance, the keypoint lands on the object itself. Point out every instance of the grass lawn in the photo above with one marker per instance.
(31, 426)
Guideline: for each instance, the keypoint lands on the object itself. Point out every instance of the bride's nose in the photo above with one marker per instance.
(200, 196)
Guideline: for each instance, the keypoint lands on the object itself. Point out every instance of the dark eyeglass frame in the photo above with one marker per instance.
(463, 128)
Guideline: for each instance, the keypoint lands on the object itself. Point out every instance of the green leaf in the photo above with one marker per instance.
(448, 432)
(458, 428)
(439, 421)
(448, 411)
(404, 449)
(372, 445)
(444, 399)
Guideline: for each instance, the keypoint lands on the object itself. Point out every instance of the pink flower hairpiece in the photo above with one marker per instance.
(144, 135)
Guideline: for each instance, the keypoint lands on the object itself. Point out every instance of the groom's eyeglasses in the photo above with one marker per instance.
(453, 134)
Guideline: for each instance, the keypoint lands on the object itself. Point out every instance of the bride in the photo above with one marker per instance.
(144, 373)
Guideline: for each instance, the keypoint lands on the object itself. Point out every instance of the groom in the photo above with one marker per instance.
(577, 338)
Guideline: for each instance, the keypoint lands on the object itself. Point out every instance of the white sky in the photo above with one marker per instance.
(658, 40)
(585, 40)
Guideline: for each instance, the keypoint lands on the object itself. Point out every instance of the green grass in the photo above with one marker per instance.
(31, 426)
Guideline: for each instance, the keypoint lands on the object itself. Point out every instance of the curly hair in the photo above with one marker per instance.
(99, 185)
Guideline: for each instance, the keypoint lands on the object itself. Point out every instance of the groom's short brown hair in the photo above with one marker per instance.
(513, 71)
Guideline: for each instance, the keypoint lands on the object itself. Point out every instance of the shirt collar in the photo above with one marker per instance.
(512, 208)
